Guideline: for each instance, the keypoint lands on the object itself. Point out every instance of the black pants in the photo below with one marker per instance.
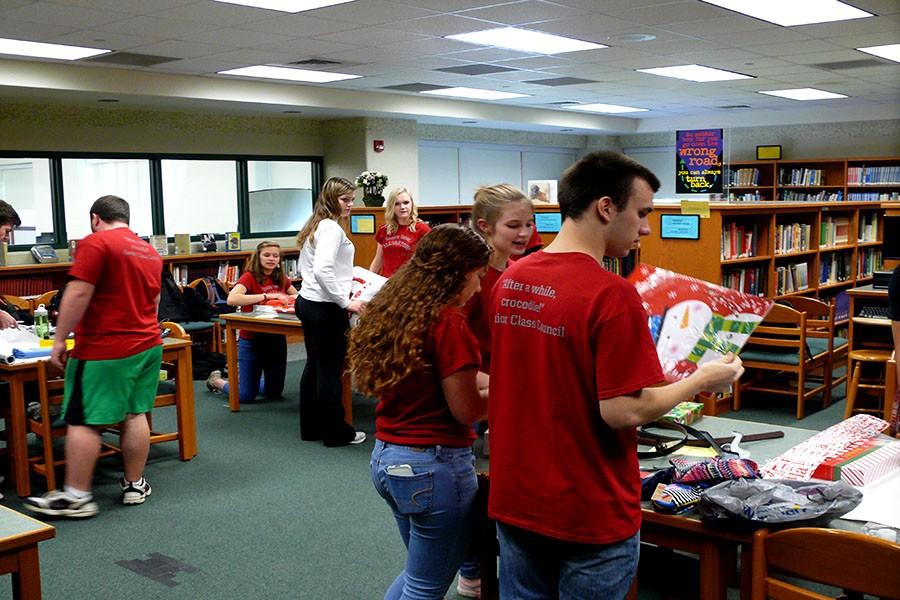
(325, 327)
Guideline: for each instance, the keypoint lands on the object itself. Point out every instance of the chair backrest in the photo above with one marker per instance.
(819, 315)
(843, 559)
(46, 298)
(175, 330)
(783, 328)
(20, 303)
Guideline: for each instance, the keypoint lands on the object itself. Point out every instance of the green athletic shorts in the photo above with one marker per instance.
(102, 392)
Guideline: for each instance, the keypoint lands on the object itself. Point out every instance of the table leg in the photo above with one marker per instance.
(18, 444)
(712, 571)
(27, 579)
(184, 405)
(347, 398)
(234, 401)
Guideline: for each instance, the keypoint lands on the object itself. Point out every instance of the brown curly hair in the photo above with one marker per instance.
(388, 343)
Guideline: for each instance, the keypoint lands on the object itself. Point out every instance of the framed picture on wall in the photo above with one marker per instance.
(542, 191)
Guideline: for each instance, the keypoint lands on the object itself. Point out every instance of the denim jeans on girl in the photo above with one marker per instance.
(433, 509)
(262, 362)
(534, 567)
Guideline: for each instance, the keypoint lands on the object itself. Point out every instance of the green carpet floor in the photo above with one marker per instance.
(257, 514)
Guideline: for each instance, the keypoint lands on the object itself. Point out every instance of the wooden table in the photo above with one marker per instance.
(715, 545)
(19, 537)
(176, 351)
(279, 324)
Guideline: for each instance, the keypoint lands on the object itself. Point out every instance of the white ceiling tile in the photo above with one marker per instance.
(132, 7)
(446, 5)
(55, 14)
(675, 12)
(309, 46)
(241, 38)
(102, 39)
(825, 57)
(430, 47)
(441, 25)
(377, 36)
(733, 23)
(157, 27)
(298, 25)
(786, 50)
(358, 55)
(878, 7)
(772, 35)
(179, 49)
(31, 32)
(371, 12)
(489, 54)
(246, 57)
(518, 13)
(872, 39)
(198, 65)
(536, 62)
(860, 27)
(218, 13)
(590, 27)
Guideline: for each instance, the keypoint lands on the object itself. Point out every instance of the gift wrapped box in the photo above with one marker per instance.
(684, 413)
(833, 468)
(872, 466)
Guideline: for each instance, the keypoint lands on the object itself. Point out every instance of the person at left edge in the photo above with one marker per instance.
(326, 267)
(112, 372)
(9, 220)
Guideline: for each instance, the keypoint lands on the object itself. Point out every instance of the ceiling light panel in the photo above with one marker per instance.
(612, 109)
(697, 73)
(794, 12)
(803, 94)
(268, 72)
(525, 40)
(288, 6)
(890, 51)
(42, 50)
(473, 93)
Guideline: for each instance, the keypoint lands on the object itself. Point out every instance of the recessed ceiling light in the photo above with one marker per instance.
(473, 93)
(289, 6)
(42, 50)
(795, 12)
(890, 51)
(524, 40)
(697, 73)
(267, 72)
(803, 94)
(607, 108)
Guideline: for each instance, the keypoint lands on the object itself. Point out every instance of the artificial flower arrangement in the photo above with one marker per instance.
(372, 179)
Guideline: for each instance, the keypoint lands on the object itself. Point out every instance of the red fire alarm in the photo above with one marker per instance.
(378, 145)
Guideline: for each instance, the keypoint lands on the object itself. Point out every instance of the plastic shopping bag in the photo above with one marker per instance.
(778, 500)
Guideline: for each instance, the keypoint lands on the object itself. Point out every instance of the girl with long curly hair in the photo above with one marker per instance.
(261, 356)
(414, 351)
(396, 240)
(326, 266)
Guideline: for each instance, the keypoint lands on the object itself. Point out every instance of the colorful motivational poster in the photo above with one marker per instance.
(698, 161)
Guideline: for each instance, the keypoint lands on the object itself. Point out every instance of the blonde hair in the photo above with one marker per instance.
(491, 201)
(390, 218)
(327, 207)
(388, 343)
(254, 265)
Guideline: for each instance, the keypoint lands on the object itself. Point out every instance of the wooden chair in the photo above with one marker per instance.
(786, 347)
(850, 561)
(820, 322)
(878, 358)
(212, 328)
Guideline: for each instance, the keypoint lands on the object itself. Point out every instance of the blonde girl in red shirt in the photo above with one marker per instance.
(398, 237)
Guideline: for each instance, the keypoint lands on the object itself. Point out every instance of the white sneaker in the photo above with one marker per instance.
(134, 492)
(359, 438)
(56, 503)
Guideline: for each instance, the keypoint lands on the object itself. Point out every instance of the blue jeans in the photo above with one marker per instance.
(433, 509)
(262, 363)
(535, 567)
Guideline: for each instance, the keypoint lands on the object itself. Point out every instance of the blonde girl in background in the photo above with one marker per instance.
(262, 357)
(413, 350)
(398, 237)
(326, 266)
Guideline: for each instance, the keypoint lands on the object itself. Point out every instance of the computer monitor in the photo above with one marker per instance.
(890, 248)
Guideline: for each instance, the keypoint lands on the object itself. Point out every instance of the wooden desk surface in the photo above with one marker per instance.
(17, 530)
(868, 291)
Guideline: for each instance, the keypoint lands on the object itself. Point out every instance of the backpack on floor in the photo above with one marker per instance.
(172, 306)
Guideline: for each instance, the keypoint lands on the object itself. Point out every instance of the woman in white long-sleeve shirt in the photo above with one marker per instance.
(326, 266)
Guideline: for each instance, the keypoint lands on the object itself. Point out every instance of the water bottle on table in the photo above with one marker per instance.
(41, 322)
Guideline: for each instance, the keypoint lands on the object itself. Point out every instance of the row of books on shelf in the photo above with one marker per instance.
(739, 241)
(834, 231)
(750, 280)
(822, 196)
(183, 243)
(228, 274)
(291, 267)
(868, 260)
(792, 237)
(791, 278)
(873, 196)
(619, 266)
(801, 176)
(887, 175)
(835, 267)
(753, 196)
(742, 177)
(868, 226)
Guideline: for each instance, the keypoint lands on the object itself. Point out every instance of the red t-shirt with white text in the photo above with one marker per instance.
(126, 273)
(567, 334)
(415, 412)
(399, 246)
(478, 312)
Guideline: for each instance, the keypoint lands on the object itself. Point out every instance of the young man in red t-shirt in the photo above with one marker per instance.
(572, 375)
(111, 375)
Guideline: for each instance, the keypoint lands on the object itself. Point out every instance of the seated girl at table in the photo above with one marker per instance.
(414, 351)
(398, 237)
(261, 356)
